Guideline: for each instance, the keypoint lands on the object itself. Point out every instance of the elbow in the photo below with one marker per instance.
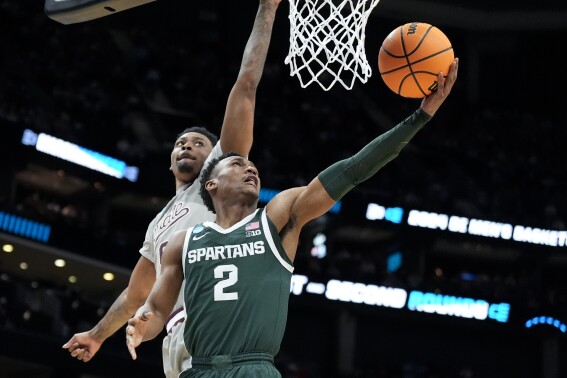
(133, 302)
(386, 159)
(247, 84)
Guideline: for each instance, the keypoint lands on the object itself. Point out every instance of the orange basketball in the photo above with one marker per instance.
(412, 56)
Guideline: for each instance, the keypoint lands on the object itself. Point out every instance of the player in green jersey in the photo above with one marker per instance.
(237, 269)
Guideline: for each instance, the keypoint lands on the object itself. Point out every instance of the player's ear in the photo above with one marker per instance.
(211, 184)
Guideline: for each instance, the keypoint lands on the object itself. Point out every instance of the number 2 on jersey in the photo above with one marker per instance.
(220, 294)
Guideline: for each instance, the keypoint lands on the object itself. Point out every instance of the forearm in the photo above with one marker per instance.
(165, 292)
(257, 46)
(238, 124)
(116, 316)
(344, 175)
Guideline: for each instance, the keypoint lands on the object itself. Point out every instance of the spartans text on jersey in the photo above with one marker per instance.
(225, 252)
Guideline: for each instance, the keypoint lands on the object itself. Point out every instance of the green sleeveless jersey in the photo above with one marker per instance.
(237, 285)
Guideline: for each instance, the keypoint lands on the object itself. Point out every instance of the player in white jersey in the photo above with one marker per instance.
(186, 209)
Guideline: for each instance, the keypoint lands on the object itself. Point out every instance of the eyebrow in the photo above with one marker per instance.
(193, 138)
(243, 160)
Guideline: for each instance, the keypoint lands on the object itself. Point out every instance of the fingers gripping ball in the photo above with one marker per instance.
(412, 56)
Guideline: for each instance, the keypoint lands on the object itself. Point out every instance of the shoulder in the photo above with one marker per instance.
(279, 207)
(178, 238)
(284, 199)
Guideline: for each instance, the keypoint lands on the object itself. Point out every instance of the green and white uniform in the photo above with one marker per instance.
(237, 285)
(237, 281)
(184, 210)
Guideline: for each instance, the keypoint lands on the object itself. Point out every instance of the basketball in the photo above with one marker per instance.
(412, 56)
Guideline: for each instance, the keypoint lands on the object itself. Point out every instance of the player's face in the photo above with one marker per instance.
(188, 156)
(238, 175)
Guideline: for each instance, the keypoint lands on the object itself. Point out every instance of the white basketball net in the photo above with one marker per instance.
(326, 42)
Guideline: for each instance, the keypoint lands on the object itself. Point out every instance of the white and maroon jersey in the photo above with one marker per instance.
(184, 210)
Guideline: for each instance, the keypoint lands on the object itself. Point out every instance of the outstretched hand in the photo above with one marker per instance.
(432, 103)
(137, 327)
(82, 346)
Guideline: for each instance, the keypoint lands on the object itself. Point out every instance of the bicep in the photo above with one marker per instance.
(165, 291)
(312, 202)
(292, 209)
(172, 256)
(299, 205)
(141, 281)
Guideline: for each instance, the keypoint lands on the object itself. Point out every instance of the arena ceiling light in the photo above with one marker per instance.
(79, 155)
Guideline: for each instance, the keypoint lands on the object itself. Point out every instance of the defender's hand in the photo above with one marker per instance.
(82, 346)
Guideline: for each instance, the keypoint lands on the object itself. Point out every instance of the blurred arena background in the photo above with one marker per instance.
(463, 235)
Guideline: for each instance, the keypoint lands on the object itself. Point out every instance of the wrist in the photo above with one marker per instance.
(97, 334)
(270, 4)
(141, 312)
(423, 115)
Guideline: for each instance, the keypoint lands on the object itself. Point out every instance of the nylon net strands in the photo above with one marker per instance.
(327, 41)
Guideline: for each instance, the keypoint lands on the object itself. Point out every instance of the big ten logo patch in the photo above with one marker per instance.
(253, 233)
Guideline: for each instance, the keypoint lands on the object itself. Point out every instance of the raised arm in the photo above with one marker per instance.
(237, 129)
(149, 319)
(292, 209)
(85, 345)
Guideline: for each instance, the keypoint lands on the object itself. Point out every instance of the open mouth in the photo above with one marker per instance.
(185, 156)
(252, 180)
